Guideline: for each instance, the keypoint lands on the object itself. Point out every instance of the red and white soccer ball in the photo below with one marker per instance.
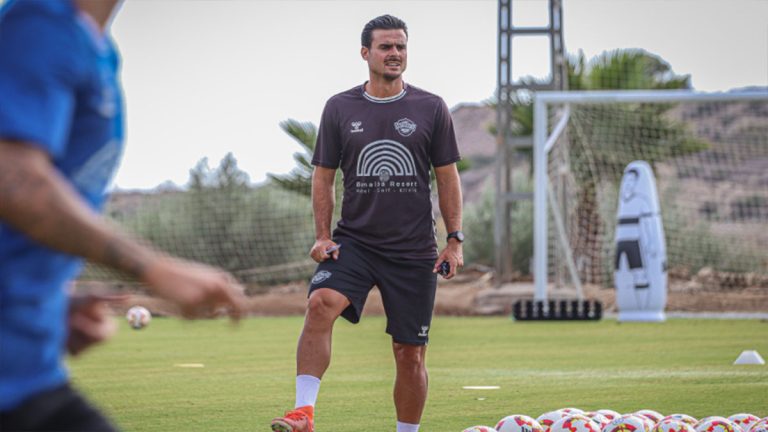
(706, 419)
(480, 429)
(628, 423)
(598, 418)
(518, 423)
(652, 415)
(138, 317)
(575, 423)
(547, 419)
(717, 424)
(571, 410)
(760, 426)
(649, 424)
(685, 418)
(609, 414)
(744, 421)
(672, 425)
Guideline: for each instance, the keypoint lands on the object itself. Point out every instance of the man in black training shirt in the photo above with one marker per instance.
(384, 135)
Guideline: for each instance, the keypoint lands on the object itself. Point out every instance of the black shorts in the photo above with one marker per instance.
(407, 289)
(59, 409)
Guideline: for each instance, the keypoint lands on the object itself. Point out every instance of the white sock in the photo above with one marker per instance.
(307, 388)
(407, 427)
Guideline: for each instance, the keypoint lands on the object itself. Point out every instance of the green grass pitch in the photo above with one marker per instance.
(681, 366)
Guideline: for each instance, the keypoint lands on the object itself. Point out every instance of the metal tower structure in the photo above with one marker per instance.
(508, 144)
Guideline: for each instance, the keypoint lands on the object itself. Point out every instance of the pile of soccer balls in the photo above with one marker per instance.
(576, 420)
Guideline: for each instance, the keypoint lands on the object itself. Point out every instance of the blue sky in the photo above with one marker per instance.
(207, 77)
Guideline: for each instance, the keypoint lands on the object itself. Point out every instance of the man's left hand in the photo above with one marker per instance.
(455, 257)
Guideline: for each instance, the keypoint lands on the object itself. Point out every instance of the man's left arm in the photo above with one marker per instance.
(449, 196)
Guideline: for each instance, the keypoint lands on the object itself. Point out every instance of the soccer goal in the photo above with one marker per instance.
(708, 151)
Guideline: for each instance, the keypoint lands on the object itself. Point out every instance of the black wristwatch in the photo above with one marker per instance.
(458, 235)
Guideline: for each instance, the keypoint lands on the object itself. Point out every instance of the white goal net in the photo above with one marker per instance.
(709, 153)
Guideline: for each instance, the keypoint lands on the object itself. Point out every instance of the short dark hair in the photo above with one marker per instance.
(385, 22)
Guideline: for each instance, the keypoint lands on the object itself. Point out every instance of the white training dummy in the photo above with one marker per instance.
(641, 256)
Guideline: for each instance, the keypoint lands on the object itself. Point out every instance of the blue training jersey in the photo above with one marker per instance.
(59, 92)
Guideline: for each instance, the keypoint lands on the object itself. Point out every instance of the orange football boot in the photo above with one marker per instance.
(300, 419)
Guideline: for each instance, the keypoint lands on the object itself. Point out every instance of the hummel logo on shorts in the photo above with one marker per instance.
(424, 331)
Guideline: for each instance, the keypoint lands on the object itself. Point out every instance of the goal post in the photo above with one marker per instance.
(709, 152)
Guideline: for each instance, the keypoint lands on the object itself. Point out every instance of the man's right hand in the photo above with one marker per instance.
(318, 250)
(198, 290)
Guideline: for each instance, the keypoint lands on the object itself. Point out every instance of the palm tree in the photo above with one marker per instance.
(626, 69)
(300, 178)
(614, 127)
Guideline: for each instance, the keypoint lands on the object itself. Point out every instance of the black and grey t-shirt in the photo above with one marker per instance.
(384, 148)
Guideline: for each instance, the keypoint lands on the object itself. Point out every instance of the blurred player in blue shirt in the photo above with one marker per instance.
(61, 137)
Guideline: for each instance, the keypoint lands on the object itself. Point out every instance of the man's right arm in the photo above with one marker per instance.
(37, 201)
(323, 202)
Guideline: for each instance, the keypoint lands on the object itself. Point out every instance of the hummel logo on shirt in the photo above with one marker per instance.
(356, 127)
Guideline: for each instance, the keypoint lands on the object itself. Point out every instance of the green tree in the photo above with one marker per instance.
(218, 199)
(260, 233)
(224, 221)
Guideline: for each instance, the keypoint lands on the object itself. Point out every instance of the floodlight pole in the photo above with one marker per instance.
(507, 144)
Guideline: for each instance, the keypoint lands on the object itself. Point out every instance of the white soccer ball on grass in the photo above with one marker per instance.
(549, 418)
(760, 426)
(685, 418)
(717, 424)
(609, 413)
(598, 418)
(672, 425)
(518, 423)
(652, 415)
(138, 317)
(744, 420)
(571, 410)
(629, 423)
(575, 423)
(480, 429)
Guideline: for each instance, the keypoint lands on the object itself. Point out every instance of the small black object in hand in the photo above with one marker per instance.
(445, 268)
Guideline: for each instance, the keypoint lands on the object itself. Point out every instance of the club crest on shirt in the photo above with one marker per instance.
(321, 276)
(405, 127)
